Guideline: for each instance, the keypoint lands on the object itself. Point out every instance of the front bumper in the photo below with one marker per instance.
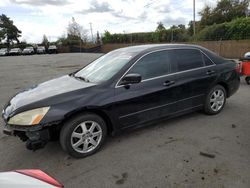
(23, 128)
(36, 137)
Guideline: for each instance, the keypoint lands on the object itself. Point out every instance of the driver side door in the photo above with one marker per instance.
(154, 96)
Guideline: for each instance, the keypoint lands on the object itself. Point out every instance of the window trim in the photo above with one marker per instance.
(117, 85)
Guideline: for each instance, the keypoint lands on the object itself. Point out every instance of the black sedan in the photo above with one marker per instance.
(123, 89)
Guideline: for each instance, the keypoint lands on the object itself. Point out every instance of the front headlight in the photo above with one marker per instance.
(31, 117)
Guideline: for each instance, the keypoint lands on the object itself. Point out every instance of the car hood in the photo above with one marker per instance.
(45, 90)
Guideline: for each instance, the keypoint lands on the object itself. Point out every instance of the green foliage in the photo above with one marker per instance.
(225, 11)
(160, 27)
(8, 31)
(234, 30)
(175, 34)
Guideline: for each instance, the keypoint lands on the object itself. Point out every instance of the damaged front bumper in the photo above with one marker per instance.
(36, 137)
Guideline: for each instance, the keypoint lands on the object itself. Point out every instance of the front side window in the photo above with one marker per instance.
(105, 67)
(187, 59)
(153, 65)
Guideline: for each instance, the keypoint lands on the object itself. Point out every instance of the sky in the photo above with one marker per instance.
(51, 17)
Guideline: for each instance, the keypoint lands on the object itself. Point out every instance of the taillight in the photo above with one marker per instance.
(238, 67)
(40, 175)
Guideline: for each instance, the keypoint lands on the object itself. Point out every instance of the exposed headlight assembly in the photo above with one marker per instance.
(31, 117)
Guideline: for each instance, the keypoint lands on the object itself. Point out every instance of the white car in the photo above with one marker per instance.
(28, 51)
(27, 179)
(15, 51)
(3, 51)
(247, 55)
(40, 50)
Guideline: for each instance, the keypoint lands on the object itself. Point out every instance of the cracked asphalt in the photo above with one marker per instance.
(165, 154)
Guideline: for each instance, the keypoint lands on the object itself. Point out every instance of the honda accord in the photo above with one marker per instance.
(124, 89)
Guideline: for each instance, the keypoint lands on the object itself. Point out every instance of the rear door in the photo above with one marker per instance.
(195, 73)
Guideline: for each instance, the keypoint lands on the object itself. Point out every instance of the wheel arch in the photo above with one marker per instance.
(101, 113)
(223, 84)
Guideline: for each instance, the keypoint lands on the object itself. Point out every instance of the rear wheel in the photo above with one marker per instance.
(215, 100)
(83, 135)
(247, 80)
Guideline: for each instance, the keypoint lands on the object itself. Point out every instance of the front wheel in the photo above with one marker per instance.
(215, 100)
(83, 135)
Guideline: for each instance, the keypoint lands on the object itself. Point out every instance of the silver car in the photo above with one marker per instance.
(3, 51)
(15, 51)
(28, 51)
(40, 50)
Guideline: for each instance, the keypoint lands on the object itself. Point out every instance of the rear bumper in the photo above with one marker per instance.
(234, 86)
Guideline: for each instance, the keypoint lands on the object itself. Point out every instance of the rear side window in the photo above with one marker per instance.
(154, 64)
(187, 59)
(206, 60)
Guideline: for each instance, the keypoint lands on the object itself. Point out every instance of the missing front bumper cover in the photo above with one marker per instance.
(8, 132)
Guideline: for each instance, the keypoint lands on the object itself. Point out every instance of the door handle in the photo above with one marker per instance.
(210, 72)
(168, 83)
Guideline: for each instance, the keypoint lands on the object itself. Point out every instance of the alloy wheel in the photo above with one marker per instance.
(86, 136)
(217, 100)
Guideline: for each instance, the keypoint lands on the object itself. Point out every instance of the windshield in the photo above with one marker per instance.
(105, 67)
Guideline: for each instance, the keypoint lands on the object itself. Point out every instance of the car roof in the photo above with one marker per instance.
(149, 47)
(141, 49)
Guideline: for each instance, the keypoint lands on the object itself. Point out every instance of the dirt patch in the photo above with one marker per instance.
(121, 180)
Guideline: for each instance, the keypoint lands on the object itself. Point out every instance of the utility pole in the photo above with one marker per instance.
(194, 17)
(80, 45)
(172, 35)
(91, 30)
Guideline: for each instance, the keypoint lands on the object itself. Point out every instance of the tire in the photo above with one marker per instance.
(247, 80)
(86, 131)
(215, 100)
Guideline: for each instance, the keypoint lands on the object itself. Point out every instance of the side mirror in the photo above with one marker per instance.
(131, 79)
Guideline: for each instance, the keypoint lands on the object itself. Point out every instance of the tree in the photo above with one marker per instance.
(76, 33)
(107, 37)
(8, 31)
(225, 11)
(45, 41)
(206, 14)
(160, 27)
(98, 39)
(74, 28)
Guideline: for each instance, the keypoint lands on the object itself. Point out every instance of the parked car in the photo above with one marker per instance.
(4, 51)
(40, 50)
(28, 51)
(52, 49)
(15, 51)
(27, 179)
(247, 55)
(123, 89)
